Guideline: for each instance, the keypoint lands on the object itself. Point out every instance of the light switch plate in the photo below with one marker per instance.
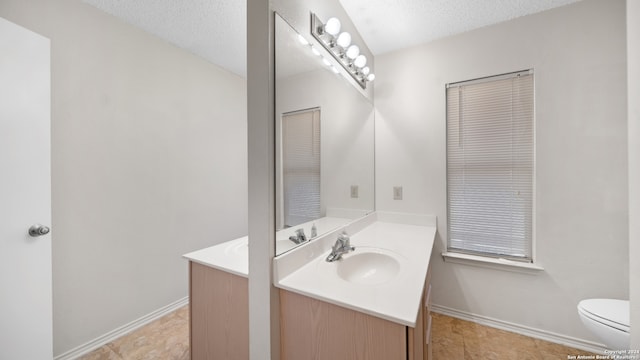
(397, 193)
(354, 191)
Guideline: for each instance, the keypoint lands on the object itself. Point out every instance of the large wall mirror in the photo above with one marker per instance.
(324, 142)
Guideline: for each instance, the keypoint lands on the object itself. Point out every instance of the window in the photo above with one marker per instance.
(490, 166)
(301, 166)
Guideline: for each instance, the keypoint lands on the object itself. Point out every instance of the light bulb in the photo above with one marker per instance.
(326, 62)
(371, 77)
(344, 40)
(334, 69)
(302, 40)
(315, 51)
(332, 26)
(365, 70)
(360, 61)
(353, 51)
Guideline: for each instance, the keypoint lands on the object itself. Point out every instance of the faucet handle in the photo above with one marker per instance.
(301, 236)
(344, 239)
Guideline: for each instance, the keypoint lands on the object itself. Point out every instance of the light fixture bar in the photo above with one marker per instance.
(332, 43)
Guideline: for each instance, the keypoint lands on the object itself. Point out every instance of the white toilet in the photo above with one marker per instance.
(608, 319)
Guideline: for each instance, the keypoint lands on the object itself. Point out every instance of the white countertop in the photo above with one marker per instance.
(396, 300)
(303, 270)
(231, 256)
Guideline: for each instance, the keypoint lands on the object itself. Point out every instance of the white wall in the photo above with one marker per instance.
(633, 66)
(578, 53)
(148, 163)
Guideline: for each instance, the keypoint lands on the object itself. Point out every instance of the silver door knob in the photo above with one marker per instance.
(38, 230)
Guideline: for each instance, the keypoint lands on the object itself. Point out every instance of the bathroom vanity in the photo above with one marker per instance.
(373, 303)
(219, 301)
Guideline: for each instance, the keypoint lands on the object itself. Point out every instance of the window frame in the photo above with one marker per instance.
(494, 260)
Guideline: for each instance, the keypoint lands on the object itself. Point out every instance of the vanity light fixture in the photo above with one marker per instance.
(305, 43)
(352, 52)
(344, 40)
(332, 27)
(360, 61)
(338, 44)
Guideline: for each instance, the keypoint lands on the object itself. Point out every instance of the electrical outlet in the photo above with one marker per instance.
(397, 193)
(354, 191)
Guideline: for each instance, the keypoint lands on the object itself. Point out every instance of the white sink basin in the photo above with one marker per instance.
(237, 249)
(368, 266)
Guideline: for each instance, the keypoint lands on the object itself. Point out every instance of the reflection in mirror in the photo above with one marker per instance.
(300, 166)
(324, 142)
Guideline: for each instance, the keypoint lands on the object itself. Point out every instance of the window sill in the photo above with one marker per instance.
(492, 263)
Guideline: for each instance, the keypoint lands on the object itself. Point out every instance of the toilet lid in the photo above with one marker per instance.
(612, 312)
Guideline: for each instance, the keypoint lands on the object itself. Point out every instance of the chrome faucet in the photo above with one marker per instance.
(300, 237)
(341, 247)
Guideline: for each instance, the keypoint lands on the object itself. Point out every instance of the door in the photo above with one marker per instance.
(25, 194)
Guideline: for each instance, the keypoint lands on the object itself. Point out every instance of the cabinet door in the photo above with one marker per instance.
(219, 304)
(313, 329)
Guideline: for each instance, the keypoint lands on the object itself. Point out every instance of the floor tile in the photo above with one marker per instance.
(102, 353)
(165, 338)
(447, 347)
(551, 351)
(183, 312)
(451, 339)
(454, 339)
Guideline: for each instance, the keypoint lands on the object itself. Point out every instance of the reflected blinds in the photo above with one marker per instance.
(301, 166)
(490, 164)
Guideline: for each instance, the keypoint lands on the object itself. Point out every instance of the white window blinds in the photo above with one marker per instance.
(490, 164)
(301, 166)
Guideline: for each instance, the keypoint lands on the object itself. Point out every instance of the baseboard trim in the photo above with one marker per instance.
(121, 331)
(521, 329)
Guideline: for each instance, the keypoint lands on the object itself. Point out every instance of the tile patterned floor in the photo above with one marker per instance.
(453, 339)
(164, 339)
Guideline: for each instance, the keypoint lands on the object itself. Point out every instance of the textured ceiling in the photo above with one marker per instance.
(213, 29)
(216, 29)
(388, 25)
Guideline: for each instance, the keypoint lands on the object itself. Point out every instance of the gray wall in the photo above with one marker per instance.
(149, 162)
(578, 53)
(633, 63)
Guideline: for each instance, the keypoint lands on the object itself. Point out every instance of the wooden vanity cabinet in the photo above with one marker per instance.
(419, 338)
(314, 329)
(219, 314)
